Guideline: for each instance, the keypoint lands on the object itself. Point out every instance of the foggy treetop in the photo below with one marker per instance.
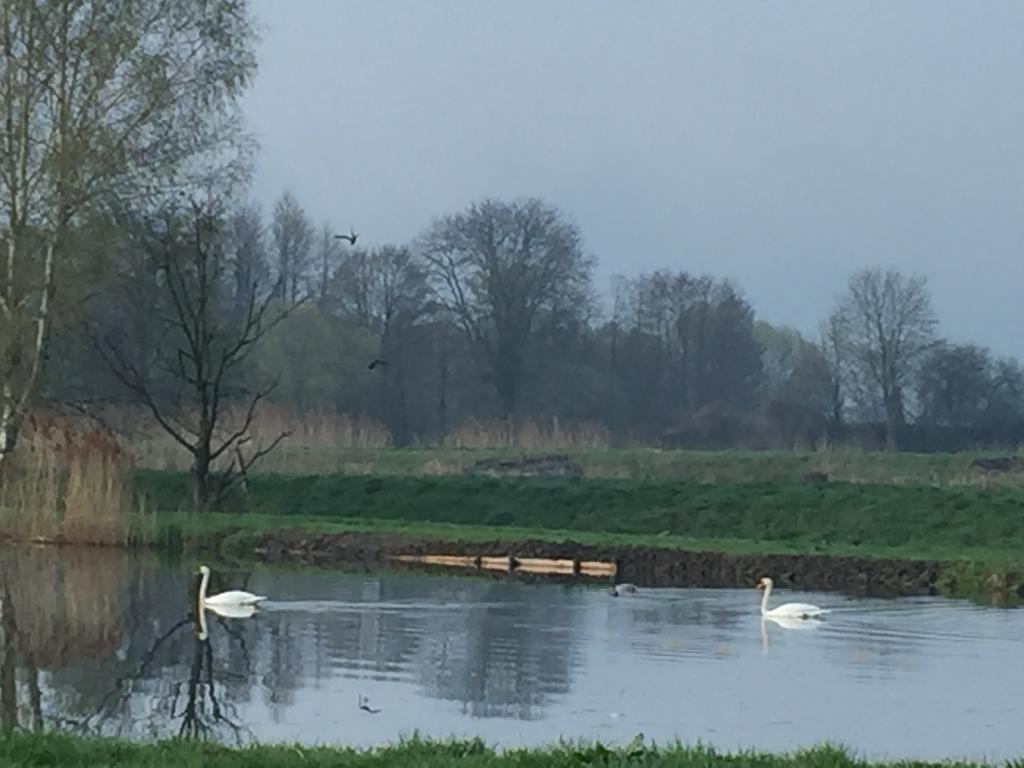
(783, 145)
(733, 185)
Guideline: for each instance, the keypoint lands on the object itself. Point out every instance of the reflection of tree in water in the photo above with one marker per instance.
(501, 648)
(505, 657)
(101, 642)
(58, 608)
(102, 646)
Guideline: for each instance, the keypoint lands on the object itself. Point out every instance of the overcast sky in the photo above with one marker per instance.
(782, 144)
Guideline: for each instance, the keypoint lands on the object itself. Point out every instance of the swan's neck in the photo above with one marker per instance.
(203, 633)
(764, 599)
(202, 589)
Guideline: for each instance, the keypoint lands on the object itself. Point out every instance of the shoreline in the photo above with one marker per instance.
(644, 566)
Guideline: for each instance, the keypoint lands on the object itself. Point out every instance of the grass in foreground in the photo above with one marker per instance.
(963, 523)
(25, 751)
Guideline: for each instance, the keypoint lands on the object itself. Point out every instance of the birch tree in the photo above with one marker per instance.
(102, 105)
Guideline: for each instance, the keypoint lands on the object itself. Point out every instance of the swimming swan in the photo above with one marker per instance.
(231, 598)
(229, 611)
(234, 611)
(786, 610)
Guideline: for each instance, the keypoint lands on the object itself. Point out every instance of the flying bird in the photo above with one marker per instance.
(351, 237)
(375, 363)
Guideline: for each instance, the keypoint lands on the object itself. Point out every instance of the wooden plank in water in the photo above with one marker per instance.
(545, 565)
(597, 568)
(510, 562)
(461, 561)
(495, 563)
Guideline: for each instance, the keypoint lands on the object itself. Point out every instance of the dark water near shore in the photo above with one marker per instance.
(102, 642)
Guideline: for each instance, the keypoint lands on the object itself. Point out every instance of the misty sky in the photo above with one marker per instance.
(782, 144)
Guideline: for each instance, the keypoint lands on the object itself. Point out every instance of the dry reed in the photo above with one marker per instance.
(152, 448)
(69, 481)
(529, 434)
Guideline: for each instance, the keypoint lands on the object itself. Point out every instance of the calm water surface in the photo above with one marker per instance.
(102, 642)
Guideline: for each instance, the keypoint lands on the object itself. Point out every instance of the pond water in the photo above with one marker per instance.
(102, 643)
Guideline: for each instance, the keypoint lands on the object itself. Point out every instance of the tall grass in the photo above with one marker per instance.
(330, 442)
(529, 434)
(69, 481)
(151, 447)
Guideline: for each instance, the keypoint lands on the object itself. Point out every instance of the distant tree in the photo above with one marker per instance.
(691, 346)
(386, 291)
(318, 361)
(780, 349)
(103, 105)
(835, 353)
(794, 370)
(961, 385)
(1006, 401)
(328, 255)
(246, 242)
(293, 242)
(954, 385)
(734, 366)
(891, 326)
(498, 267)
(201, 352)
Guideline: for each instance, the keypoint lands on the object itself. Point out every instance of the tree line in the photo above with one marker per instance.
(134, 270)
(492, 314)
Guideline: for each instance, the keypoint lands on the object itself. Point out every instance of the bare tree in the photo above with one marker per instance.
(202, 352)
(327, 258)
(385, 291)
(100, 103)
(247, 243)
(891, 326)
(293, 241)
(834, 346)
(498, 267)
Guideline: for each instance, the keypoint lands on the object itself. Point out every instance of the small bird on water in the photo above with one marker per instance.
(364, 704)
(351, 237)
(625, 588)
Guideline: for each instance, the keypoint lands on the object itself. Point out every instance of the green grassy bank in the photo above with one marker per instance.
(962, 522)
(36, 750)
(725, 466)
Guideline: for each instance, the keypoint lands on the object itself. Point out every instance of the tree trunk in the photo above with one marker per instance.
(201, 481)
(893, 421)
(8, 679)
(16, 404)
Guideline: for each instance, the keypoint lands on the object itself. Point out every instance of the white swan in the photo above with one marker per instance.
(234, 611)
(786, 610)
(227, 611)
(234, 597)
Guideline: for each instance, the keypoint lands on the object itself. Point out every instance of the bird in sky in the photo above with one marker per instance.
(351, 237)
(377, 362)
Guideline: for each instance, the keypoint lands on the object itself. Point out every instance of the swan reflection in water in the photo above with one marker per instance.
(202, 701)
(787, 623)
(204, 711)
